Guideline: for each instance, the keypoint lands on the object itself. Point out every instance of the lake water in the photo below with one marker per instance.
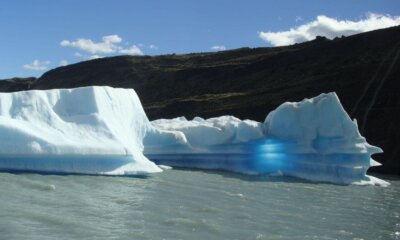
(183, 204)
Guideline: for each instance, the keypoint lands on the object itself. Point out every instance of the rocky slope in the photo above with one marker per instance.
(364, 70)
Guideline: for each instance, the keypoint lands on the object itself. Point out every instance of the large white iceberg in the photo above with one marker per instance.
(90, 130)
(314, 139)
(103, 130)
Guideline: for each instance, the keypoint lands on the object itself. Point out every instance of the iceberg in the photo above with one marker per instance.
(104, 130)
(90, 130)
(314, 139)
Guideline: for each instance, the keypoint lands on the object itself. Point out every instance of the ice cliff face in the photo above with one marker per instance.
(322, 138)
(87, 121)
(313, 121)
(102, 130)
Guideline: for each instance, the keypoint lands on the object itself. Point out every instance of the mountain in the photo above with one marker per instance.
(16, 84)
(363, 69)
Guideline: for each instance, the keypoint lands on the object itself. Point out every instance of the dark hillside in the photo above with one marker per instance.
(16, 84)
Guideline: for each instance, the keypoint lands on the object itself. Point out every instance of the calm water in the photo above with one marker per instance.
(181, 204)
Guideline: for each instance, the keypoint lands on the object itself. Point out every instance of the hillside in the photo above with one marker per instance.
(364, 70)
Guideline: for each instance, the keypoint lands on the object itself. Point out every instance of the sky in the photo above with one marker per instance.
(39, 35)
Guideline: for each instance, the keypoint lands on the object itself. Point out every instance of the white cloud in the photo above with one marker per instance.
(110, 44)
(95, 57)
(218, 48)
(37, 65)
(112, 39)
(330, 28)
(153, 47)
(88, 56)
(63, 63)
(134, 50)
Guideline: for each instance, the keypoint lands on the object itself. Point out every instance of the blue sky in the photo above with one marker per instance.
(34, 29)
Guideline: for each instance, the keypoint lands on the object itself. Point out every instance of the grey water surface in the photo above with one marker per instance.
(185, 204)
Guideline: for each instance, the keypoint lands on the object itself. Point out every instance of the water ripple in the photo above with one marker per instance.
(181, 204)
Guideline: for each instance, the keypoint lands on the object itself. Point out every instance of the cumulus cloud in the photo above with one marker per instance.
(218, 48)
(112, 39)
(134, 50)
(88, 56)
(37, 65)
(330, 28)
(109, 44)
(95, 57)
(153, 47)
(63, 63)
